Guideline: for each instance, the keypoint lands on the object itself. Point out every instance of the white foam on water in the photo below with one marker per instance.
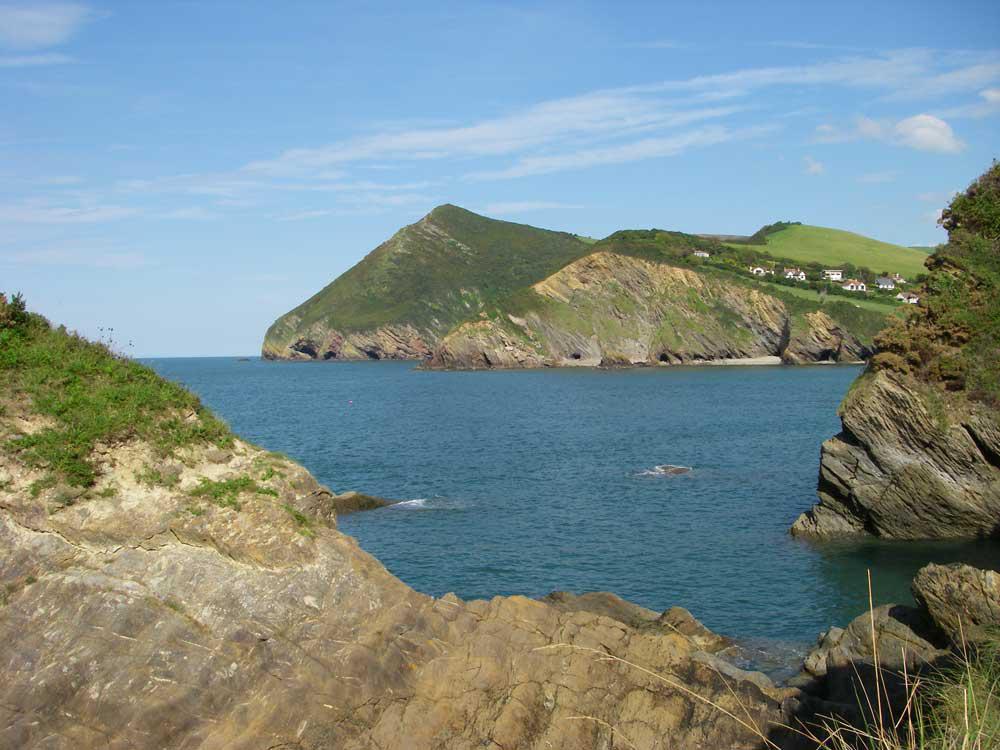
(420, 502)
(665, 470)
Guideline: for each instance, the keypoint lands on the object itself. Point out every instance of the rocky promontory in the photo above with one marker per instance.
(919, 452)
(614, 309)
(459, 290)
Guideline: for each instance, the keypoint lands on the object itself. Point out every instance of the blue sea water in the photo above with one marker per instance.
(532, 481)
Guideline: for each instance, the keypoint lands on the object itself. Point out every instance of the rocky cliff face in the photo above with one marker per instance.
(213, 603)
(612, 309)
(319, 341)
(905, 468)
(919, 453)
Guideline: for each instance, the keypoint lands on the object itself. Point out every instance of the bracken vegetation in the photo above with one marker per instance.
(82, 394)
(953, 339)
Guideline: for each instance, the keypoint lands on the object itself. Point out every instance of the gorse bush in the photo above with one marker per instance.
(953, 339)
(87, 395)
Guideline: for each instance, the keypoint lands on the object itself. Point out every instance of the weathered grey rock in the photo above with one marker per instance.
(908, 465)
(153, 619)
(822, 339)
(964, 602)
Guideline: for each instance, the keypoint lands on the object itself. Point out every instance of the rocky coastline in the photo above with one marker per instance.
(918, 455)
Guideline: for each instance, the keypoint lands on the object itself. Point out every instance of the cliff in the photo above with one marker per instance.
(426, 292)
(609, 309)
(919, 452)
(168, 585)
(408, 292)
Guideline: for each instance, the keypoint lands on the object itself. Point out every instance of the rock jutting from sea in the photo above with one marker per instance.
(919, 452)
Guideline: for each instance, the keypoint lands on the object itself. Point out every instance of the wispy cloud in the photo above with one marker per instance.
(519, 207)
(813, 167)
(37, 25)
(80, 257)
(602, 114)
(793, 44)
(660, 44)
(190, 213)
(874, 178)
(46, 214)
(34, 61)
(646, 148)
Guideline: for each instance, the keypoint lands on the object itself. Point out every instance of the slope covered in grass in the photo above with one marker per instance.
(71, 394)
(431, 275)
(834, 247)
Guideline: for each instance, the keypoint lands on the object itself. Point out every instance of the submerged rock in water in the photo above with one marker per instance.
(670, 469)
(353, 502)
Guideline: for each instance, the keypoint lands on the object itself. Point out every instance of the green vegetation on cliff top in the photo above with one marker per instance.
(833, 247)
(953, 338)
(78, 393)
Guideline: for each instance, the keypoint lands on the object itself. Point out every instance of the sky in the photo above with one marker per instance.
(186, 172)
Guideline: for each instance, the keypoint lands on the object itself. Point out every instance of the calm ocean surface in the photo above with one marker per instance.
(529, 482)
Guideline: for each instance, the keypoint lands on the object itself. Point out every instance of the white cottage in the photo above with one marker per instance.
(855, 285)
(908, 297)
(833, 274)
(796, 274)
(701, 254)
(884, 282)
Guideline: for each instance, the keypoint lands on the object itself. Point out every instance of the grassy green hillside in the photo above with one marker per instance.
(454, 265)
(808, 244)
(433, 274)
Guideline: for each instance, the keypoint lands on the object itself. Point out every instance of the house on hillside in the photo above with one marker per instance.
(760, 271)
(908, 297)
(854, 285)
(898, 279)
(833, 274)
(795, 274)
(701, 254)
(884, 282)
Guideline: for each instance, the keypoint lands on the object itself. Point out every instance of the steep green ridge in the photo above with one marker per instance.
(431, 275)
(803, 243)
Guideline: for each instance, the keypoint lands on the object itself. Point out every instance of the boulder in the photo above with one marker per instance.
(964, 602)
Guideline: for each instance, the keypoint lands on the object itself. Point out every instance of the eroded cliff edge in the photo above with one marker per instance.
(614, 309)
(168, 585)
(919, 453)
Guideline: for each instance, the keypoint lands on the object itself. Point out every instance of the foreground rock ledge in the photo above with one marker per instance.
(139, 617)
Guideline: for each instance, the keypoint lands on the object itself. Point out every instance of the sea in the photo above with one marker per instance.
(527, 482)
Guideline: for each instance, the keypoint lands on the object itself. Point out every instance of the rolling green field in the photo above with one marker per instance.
(831, 247)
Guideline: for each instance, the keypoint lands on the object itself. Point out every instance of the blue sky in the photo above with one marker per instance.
(185, 172)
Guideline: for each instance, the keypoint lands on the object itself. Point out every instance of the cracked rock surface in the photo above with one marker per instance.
(139, 616)
(905, 466)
